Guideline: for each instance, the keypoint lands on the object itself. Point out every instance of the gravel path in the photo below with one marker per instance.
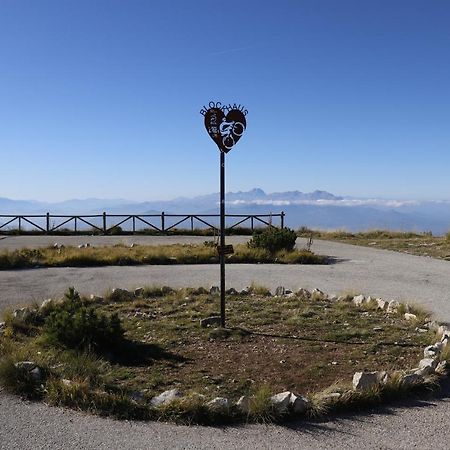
(376, 272)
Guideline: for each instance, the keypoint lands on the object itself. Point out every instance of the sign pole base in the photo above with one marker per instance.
(222, 239)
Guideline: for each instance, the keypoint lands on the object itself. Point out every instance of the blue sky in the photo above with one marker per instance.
(102, 98)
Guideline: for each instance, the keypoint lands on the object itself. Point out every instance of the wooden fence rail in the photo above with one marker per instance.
(50, 223)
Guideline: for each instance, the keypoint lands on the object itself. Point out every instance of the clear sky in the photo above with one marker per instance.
(101, 98)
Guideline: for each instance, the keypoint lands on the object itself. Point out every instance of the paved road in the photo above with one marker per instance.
(376, 272)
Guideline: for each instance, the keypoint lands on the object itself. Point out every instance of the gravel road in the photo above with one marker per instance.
(370, 271)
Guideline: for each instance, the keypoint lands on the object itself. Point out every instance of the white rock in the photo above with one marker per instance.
(281, 401)
(165, 397)
(304, 293)
(442, 368)
(443, 329)
(138, 291)
(244, 291)
(32, 368)
(393, 306)
(317, 294)
(359, 300)
(298, 403)
(382, 304)
(66, 382)
(427, 366)
(409, 316)
(433, 350)
(368, 380)
(46, 303)
(219, 403)
(214, 290)
(96, 298)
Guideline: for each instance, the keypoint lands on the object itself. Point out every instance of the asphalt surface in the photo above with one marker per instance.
(381, 273)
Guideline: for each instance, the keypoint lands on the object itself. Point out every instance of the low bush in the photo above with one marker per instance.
(274, 239)
(74, 325)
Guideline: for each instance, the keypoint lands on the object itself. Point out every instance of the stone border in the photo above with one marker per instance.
(289, 403)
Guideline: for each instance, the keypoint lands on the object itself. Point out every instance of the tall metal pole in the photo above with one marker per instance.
(222, 239)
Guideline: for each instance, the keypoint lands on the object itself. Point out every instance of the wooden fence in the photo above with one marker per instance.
(105, 223)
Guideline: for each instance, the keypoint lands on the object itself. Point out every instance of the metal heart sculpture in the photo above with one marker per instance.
(225, 130)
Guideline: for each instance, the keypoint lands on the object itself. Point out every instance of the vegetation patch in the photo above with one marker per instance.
(121, 255)
(419, 244)
(115, 355)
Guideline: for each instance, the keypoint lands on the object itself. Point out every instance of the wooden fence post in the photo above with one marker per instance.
(162, 222)
(282, 219)
(104, 223)
(48, 223)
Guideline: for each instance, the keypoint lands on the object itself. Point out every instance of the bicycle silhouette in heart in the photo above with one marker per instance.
(224, 130)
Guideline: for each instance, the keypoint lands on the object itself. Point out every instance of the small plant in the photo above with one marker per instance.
(274, 239)
(76, 326)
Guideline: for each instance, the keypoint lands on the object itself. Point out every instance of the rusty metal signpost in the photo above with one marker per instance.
(225, 125)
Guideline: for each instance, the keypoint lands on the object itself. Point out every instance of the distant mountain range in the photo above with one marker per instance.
(318, 209)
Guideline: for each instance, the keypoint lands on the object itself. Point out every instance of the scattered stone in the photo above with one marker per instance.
(377, 328)
(66, 382)
(298, 403)
(243, 404)
(208, 321)
(409, 316)
(231, 291)
(393, 306)
(244, 291)
(32, 368)
(432, 325)
(280, 291)
(96, 298)
(411, 379)
(317, 294)
(137, 396)
(214, 290)
(46, 303)
(444, 332)
(132, 245)
(343, 298)
(21, 313)
(281, 401)
(288, 292)
(304, 293)
(2, 328)
(165, 398)
(138, 291)
(219, 403)
(382, 304)
(427, 366)
(334, 298)
(421, 330)
(442, 368)
(433, 350)
(359, 300)
(367, 380)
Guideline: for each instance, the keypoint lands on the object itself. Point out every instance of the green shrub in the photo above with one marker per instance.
(274, 239)
(74, 325)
